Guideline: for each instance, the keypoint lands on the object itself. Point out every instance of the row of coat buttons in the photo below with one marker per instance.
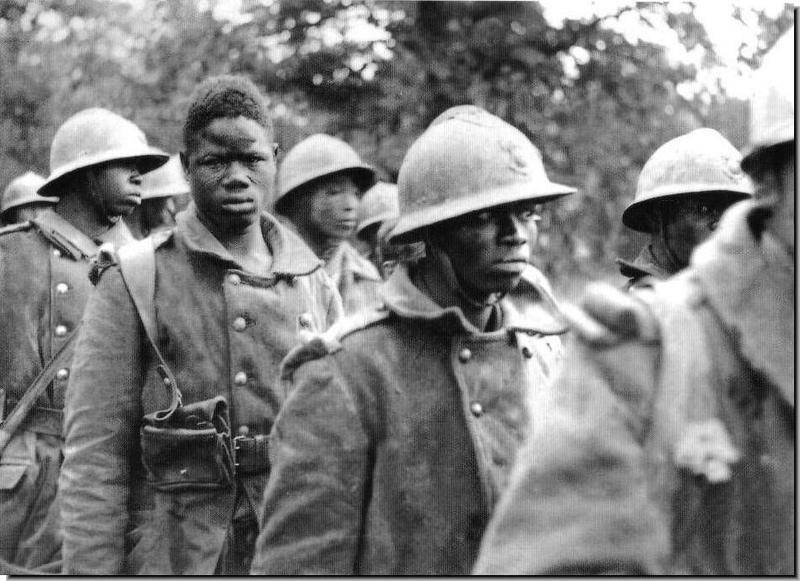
(239, 324)
(475, 407)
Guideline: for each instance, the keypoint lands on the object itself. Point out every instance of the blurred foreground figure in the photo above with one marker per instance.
(666, 446)
(21, 201)
(682, 191)
(160, 190)
(402, 422)
(320, 183)
(175, 382)
(96, 162)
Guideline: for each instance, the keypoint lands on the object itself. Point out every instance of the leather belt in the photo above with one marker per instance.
(252, 454)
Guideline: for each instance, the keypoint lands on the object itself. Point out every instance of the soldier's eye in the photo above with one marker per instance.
(528, 215)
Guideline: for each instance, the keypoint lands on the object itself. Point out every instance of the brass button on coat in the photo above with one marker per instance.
(61, 330)
(62, 373)
(62, 288)
(239, 323)
(57, 253)
(476, 408)
(464, 355)
(240, 378)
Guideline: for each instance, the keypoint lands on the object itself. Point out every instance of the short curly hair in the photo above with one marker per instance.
(225, 96)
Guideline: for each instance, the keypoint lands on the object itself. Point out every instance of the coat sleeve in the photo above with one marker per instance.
(577, 501)
(319, 451)
(102, 410)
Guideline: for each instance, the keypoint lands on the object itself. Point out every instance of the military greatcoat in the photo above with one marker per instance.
(44, 285)
(397, 437)
(222, 331)
(667, 444)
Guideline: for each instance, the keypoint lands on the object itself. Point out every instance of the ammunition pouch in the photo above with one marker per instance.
(189, 447)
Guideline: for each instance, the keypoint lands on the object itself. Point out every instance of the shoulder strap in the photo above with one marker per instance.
(28, 400)
(137, 263)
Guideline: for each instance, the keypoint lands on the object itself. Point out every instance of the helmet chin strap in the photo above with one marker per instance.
(663, 241)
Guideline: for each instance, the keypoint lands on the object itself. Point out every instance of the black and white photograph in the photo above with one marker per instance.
(397, 287)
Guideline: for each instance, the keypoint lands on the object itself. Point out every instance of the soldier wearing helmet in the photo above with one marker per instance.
(97, 159)
(21, 202)
(402, 422)
(683, 190)
(161, 188)
(667, 446)
(320, 183)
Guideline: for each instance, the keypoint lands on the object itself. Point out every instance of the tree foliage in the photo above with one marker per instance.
(595, 101)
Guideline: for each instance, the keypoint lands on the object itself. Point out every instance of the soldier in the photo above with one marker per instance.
(320, 182)
(158, 208)
(378, 206)
(667, 445)
(21, 201)
(163, 478)
(402, 422)
(682, 191)
(96, 162)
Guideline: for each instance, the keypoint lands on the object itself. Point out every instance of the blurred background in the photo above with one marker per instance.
(597, 86)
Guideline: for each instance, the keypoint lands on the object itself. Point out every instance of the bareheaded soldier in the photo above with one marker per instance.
(682, 191)
(21, 200)
(667, 445)
(402, 422)
(175, 382)
(320, 183)
(96, 162)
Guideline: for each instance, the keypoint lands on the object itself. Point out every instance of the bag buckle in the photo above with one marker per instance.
(236, 447)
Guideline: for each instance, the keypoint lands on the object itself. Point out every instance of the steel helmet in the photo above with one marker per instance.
(378, 205)
(317, 156)
(165, 181)
(468, 160)
(22, 190)
(94, 136)
(772, 104)
(699, 162)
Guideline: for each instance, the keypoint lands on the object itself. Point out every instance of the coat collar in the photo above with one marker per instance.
(749, 280)
(290, 255)
(530, 309)
(80, 246)
(347, 259)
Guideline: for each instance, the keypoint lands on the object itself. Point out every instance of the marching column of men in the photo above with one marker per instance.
(246, 392)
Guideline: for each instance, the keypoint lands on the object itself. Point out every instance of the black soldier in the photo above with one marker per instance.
(682, 191)
(21, 201)
(667, 445)
(163, 192)
(175, 384)
(402, 422)
(96, 162)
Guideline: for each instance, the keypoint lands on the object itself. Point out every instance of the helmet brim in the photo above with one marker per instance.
(363, 175)
(635, 216)
(410, 224)
(146, 160)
